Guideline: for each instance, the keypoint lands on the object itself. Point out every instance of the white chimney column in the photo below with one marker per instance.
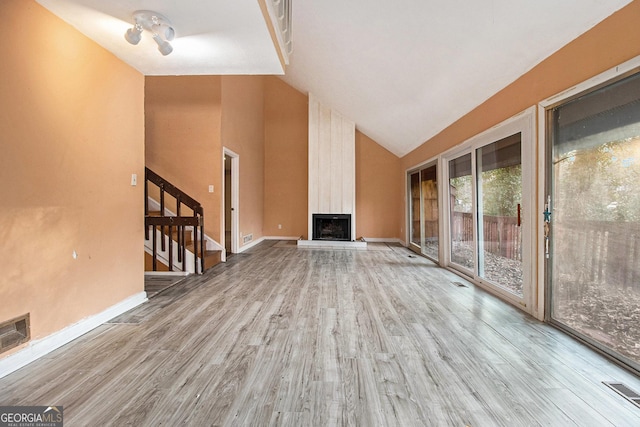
(332, 164)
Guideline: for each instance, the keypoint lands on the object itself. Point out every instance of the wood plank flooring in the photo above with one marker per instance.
(156, 283)
(308, 337)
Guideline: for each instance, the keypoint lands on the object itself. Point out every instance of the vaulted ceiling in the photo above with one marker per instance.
(402, 70)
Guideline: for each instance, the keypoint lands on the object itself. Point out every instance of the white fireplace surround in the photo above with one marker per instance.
(332, 164)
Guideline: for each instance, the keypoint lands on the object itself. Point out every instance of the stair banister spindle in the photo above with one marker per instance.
(183, 251)
(180, 242)
(146, 204)
(162, 214)
(155, 250)
(201, 243)
(180, 237)
(170, 250)
(195, 248)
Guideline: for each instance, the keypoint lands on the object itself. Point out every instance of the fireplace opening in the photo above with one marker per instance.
(332, 227)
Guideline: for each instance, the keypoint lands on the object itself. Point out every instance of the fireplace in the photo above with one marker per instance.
(332, 227)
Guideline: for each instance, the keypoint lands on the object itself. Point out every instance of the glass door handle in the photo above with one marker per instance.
(547, 225)
(519, 215)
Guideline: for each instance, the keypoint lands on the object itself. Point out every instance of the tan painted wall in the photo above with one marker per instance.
(183, 143)
(613, 41)
(286, 131)
(71, 120)
(379, 190)
(243, 133)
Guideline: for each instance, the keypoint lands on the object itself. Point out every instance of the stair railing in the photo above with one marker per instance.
(167, 224)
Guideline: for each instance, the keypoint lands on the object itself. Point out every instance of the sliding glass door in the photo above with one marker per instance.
(499, 199)
(490, 229)
(485, 190)
(423, 211)
(461, 213)
(414, 210)
(593, 265)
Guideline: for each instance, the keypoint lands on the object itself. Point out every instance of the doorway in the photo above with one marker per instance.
(230, 217)
(423, 211)
(490, 228)
(593, 213)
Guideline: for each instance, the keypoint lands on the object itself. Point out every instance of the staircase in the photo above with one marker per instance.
(174, 229)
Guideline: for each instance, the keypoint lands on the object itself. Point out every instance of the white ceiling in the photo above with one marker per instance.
(403, 70)
(212, 36)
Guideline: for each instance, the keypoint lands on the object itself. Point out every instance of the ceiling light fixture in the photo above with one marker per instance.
(158, 25)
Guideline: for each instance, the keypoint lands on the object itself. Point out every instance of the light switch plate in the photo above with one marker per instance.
(134, 179)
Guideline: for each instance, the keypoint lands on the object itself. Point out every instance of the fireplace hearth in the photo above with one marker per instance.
(332, 227)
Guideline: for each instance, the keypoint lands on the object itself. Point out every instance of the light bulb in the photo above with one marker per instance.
(164, 47)
(133, 35)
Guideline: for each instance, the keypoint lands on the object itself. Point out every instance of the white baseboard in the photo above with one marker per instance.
(251, 244)
(326, 244)
(332, 244)
(39, 348)
(282, 238)
(383, 240)
(263, 238)
(166, 273)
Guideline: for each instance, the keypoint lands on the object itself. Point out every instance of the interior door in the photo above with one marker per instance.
(593, 264)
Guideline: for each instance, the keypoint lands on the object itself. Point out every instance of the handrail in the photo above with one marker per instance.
(173, 190)
(171, 222)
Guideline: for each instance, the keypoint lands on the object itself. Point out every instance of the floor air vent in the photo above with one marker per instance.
(14, 332)
(460, 284)
(625, 392)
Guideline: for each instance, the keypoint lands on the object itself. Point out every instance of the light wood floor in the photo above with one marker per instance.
(154, 283)
(305, 337)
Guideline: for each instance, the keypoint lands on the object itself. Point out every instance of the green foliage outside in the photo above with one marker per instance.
(600, 183)
(501, 191)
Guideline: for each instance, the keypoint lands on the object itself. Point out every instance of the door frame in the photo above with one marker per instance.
(235, 199)
(544, 152)
(524, 123)
(434, 161)
(408, 218)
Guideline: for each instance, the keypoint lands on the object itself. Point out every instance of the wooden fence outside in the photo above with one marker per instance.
(502, 235)
(601, 252)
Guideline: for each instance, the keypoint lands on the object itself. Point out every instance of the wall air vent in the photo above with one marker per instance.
(247, 238)
(14, 332)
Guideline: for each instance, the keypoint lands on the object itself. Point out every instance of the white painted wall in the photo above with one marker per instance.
(332, 163)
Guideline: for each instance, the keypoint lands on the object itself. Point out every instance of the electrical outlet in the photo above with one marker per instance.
(279, 226)
(211, 189)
